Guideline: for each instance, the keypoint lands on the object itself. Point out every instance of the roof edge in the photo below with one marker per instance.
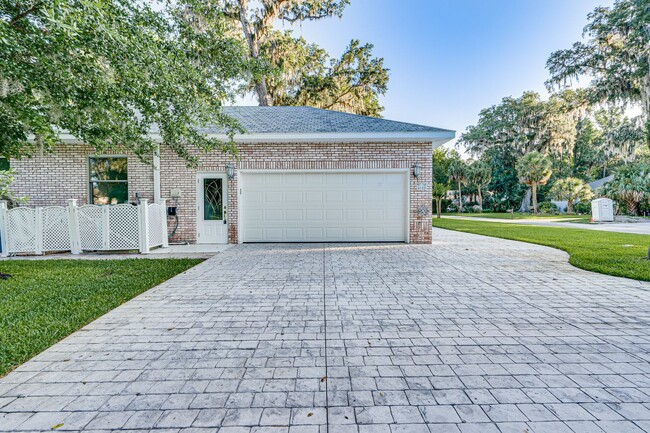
(441, 137)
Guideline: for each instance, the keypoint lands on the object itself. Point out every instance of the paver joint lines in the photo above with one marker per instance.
(470, 334)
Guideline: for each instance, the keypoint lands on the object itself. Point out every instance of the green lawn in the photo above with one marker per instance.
(619, 254)
(519, 216)
(46, 300)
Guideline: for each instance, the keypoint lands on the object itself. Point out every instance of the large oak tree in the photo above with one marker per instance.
(110, 71)
(616, 56)
(292, 71)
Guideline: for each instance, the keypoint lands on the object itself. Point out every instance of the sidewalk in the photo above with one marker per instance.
(642, 228)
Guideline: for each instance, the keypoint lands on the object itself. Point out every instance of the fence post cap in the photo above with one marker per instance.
(3, 204)
(143, 201)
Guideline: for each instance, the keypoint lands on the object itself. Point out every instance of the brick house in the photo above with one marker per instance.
(302, 175)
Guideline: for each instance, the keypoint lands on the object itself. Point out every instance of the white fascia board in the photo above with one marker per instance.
(437, 138)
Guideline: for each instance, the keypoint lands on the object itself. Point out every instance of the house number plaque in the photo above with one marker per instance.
(420, 186)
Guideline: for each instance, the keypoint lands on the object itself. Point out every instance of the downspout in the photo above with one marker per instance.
(157, 198)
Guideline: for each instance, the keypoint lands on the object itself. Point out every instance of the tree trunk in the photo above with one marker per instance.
(263, 97)
(569, 206)
(534, 186)
(460, 199)
(480, 199)
(525, 202)
(438, 206)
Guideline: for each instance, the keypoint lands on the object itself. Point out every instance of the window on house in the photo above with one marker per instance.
(4, 164)
(108, 180)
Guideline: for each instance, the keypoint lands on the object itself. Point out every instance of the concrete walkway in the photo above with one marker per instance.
(190, 251)
(642, 228)
(470, 334)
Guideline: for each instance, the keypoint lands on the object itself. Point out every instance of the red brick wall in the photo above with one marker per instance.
(54, 178)
(175, 174)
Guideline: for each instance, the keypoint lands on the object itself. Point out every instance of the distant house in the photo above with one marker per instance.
(302, 175)
(562, 204)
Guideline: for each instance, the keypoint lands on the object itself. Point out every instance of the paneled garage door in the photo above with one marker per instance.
(324, 206)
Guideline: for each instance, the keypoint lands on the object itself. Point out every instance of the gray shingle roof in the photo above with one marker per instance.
(309, 120)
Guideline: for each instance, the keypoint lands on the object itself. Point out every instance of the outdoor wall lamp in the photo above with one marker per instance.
(417, 169)
(230, 170)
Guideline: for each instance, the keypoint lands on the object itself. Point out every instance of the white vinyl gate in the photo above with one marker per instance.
(83, 228)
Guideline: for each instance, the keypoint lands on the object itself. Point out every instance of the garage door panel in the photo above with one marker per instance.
(273, 215)
(294, 215)
(316, 196)
(334, 196)
(334, 215)
(314, 215)
(324, 206)
(354, 215)
(293, 196)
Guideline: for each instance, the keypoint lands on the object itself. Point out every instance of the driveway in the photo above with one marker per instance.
(640, 228)
(470, 334)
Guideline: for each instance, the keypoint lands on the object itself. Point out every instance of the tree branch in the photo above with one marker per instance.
(24, 13)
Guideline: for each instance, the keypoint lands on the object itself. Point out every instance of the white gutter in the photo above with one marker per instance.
(436, 137)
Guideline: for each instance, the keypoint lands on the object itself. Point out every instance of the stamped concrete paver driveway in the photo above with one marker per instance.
(470, 334)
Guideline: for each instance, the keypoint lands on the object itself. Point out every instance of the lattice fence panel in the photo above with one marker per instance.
(90, 227)
(155, 224)
(21, 225)
(56, 229)
(123, 227)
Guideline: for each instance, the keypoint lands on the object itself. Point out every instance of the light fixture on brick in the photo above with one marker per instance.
(417, 168)
(230, 170)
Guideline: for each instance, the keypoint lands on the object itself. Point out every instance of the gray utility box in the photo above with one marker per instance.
(602, 210)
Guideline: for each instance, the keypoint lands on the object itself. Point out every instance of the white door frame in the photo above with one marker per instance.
(199, 203)
(242, 172)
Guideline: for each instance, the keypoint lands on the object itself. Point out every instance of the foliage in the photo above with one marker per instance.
(307, 76)
(527, 124)
(46, 300)
(547, 207)
(479, 175)
(107, 72)
(441, 159)
(630, 186)
(582, 207)
(6, 180)
(620, 137)
(457, 172)
(295, 72)
(506, 189)
(619, 254)
(571, 189)
(534, 169)
(615, 57)
(439, 193)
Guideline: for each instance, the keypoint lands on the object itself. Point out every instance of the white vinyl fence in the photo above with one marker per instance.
(83, 228)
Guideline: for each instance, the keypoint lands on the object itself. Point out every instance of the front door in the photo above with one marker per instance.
(211, 212)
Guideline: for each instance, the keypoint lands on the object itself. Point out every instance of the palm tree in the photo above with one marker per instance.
(439, 192)
(571, 189)
(534, 169)
(479, 175)
(457, 173)
(631, 185)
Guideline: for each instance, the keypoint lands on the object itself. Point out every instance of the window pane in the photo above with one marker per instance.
(108, 168)
(4, 164)
(110, 192)
(212, 199)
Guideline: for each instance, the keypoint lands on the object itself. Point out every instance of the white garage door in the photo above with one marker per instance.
(321, 206)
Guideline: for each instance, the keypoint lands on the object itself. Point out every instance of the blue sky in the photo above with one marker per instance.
(448, 59)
